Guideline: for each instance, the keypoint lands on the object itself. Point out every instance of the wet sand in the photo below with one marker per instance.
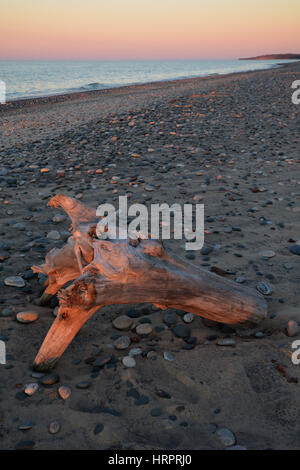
(229, 142)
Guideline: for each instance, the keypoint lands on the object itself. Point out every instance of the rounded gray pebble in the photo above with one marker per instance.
(226, 437)
(128, 361)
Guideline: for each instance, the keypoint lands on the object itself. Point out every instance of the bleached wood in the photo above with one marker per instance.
(106, 272)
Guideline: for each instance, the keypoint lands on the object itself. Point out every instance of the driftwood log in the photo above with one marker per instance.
(108, 272)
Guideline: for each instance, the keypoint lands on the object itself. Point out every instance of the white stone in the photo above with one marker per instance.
(58, 218)
(168, 356)
(144, 329)
(226, 342)
(123, 322)
(54, 427)
(188, 318)
(53, 235)
(128, 361)
(226, 437)
(14, 281)
(135, 352)
(267, 253)
(122, 342)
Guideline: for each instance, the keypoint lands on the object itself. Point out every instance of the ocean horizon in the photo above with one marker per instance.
(41, 78)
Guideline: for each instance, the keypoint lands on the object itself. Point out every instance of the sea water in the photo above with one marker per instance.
(27, 79)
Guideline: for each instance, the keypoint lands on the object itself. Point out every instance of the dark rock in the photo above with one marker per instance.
(170, 318)
(98, 429)
(26, 426)
(181, 331)
(21, 395)
(188, 347)
(50, 379)
(133, 393)
(28, 275)
(295, 249)
(25, 445)
(110, 411)
(190, 256)
(156, 412)
(173, 418)
(100, 362)
(159, 328)
(145, 320)
(206, 250)
(133, 313)
(83, 385)
(142, 400)
(163, 394)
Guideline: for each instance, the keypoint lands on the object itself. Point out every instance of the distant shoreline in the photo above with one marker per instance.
(79, 95)
(273, 57)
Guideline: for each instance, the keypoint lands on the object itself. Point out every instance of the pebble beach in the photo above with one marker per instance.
(137, 377)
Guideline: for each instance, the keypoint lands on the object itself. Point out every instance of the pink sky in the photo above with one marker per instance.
(140, 29)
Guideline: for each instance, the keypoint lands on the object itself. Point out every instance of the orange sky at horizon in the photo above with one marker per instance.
(156, 29)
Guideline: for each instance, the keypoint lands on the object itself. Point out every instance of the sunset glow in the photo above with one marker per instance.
(139, 29)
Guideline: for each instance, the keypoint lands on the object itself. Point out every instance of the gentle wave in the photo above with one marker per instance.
(93, 86)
